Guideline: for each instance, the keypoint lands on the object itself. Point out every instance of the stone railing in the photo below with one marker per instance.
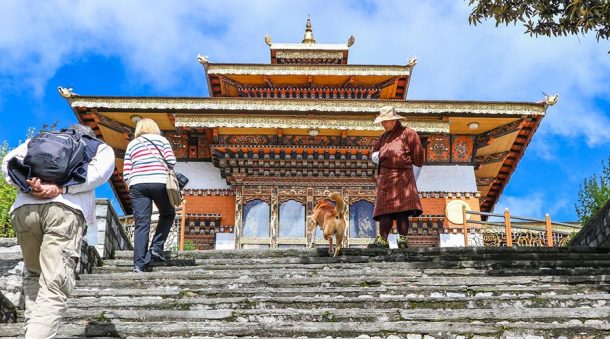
(11, 269)
(171, 243)
(110, 235)
(596, 233)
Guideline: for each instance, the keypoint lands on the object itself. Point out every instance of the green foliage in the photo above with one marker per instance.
(7, 197)
(593, 194)
(189, 245)
(547, 17)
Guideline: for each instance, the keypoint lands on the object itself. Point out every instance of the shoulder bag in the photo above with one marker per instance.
(175, 181)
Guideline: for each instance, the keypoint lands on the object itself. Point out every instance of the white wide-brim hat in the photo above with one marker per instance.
(387, 113)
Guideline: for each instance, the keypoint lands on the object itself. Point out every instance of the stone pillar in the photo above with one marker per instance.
(347, 218)
(239, 206)
(310, 232)
(274, 224)
(110, 235)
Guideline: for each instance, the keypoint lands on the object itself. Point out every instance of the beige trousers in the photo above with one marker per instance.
(50, 235)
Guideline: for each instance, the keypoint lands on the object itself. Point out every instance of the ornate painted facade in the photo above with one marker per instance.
(271, 140)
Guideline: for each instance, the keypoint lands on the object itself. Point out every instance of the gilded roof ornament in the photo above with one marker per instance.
(351, 41)
(550, 100)
(268, 40)
(308, 38)
(412, 61)
(66, 92)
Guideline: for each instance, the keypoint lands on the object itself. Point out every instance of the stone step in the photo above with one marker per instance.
(346, 289)
(119, 264)
(323, 252)
(245, 280)
(366, 287)
(410, 329)
(452, 300)
(183, 260)
(181, 264)
(346, 315)
(202, 273)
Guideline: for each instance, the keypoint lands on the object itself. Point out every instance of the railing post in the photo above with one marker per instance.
(182, 225)
(509, 231)
(549, 231)
(465, 224)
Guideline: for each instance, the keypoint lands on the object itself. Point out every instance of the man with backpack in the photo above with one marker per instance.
(49, 217)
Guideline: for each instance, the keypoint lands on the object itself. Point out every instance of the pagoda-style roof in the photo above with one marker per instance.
(498, 131)
(308, 71)
(368, 108)
(308, 81)
(308, 51)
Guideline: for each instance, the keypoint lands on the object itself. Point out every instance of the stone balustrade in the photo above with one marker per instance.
(596, 233)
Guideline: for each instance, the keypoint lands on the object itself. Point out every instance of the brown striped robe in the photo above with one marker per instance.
(399, 149)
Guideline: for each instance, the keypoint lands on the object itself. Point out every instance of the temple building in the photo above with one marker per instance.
(271, 140)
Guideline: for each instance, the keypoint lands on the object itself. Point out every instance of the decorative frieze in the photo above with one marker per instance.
(189, 144)
(438, 148)
(341, 70)
(209, 192)
(486, 181)
(308, 54)
(247, 139)
(490, 158)
(316, 122)
(309, 92)
(449, 195)
(462, 147)
(485, 138)
(216, 105)
(114, 125)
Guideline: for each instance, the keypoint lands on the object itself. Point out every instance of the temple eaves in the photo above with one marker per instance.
(407, 108)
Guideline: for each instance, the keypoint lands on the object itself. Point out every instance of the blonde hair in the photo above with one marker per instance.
(146, 126)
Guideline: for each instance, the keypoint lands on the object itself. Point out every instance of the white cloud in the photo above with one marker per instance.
(525, 206)
(533, 205)
(157, 43)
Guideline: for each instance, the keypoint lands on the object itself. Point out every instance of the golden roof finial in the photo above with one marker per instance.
(308, 38)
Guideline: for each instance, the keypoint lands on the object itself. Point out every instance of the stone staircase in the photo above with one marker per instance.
(415, 293)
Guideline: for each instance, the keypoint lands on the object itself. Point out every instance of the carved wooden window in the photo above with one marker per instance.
(361, 220)
(256, 219)
(292, 219)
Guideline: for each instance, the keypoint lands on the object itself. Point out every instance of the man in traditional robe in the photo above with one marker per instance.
(399, 156)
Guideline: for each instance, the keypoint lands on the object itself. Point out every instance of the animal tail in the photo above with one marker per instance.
(340, 203)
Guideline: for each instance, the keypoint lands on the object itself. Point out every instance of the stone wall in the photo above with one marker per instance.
(110, 233)
(596, 233)
(11, 270)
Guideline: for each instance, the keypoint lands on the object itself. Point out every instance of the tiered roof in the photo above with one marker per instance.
(311, 87)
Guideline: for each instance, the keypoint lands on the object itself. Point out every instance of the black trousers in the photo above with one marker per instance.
(386, 222)
(142, 197)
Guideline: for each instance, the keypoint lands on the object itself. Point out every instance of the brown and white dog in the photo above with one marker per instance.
(331, 221)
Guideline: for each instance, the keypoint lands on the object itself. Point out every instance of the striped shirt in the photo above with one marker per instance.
(142, 163)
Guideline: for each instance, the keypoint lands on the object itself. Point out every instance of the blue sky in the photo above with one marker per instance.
(143, 48)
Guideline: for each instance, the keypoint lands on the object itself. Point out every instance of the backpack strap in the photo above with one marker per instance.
(162, 158)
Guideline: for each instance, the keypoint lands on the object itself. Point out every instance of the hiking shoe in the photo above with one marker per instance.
(379, 242)
(156, 256)
(402, 241)
(137, 269)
